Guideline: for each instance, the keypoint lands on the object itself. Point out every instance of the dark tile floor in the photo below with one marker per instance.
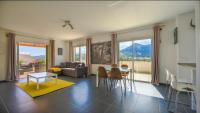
(84, 97)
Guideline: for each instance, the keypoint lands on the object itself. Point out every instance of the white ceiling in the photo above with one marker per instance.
(45, 18)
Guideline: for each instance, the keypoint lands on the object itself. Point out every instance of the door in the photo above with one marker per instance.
(137, 55)
(31, 58)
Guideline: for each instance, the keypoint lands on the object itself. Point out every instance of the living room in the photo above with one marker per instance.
(99, 56)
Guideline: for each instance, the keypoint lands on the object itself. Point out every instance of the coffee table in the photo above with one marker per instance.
(41, 75)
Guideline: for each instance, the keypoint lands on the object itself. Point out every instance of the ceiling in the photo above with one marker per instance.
(45, 18)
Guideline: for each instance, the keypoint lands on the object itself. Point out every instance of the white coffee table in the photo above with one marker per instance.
(41, 75)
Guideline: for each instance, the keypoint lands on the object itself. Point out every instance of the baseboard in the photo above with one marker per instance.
(2, 81)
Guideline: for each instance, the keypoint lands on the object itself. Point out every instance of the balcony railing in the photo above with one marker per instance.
(142, 69)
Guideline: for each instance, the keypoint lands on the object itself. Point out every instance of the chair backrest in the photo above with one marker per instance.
(114, 65)
(124, 66)
(115, 73)
(102, 72)
(173, 82)
(168, 76)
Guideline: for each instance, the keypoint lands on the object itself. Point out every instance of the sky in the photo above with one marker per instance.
(129, 43)
(33, 51)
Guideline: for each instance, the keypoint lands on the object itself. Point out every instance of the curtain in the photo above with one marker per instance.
(113, 48)
(51, 54)
(11, 69)
(88, 54)
(155, 55)
(70, 51)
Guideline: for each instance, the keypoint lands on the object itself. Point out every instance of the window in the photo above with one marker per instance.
(80, 54)
(31, 58)
(137, 55)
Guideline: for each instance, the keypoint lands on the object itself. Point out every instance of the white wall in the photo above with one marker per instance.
(186, 45)
(197, 21)
(65, 56)
(168, 50)
(79, 42)
(30, 39)
(135, 34)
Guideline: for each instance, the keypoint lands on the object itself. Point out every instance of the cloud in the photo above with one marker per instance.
(25, 53)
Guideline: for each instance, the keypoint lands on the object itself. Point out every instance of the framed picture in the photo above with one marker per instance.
(101, 53)
(60, 51)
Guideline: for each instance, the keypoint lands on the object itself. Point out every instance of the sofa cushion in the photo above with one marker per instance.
(68, 64)
(69, 71)
(62, 65)
(73, 65)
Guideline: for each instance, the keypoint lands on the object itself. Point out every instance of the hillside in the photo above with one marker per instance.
(137, 50)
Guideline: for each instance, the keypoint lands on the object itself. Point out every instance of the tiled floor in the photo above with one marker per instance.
(84, 97)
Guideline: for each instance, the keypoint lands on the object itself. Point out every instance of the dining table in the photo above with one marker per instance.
(122, 70)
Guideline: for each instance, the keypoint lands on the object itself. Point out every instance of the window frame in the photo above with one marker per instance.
(79, 53)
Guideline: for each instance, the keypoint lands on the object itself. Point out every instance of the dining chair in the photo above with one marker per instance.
(102, 74)
(126, 67)
(115, 76)
(114, 66)
(179, 87)
(168, 79)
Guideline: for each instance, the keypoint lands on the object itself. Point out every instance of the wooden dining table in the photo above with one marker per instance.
(122, 70)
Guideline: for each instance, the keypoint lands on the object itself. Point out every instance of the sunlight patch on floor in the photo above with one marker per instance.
(145, 89)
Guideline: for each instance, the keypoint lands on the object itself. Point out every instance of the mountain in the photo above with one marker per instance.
(26, 59)
(137, 50)
(39, 57)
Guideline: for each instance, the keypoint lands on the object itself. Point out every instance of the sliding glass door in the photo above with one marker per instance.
(137, 55)
(31, 58)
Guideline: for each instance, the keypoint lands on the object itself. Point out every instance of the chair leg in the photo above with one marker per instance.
(111, 84)
(169, 93)
(194, 99)
(166, 92)
(176, 102)
(191, 96)
(115, 83)
(106, 83)
(169, 97)
(124, 85)
(121, 86)
(130, 83)
(99, 82)
(134, 86)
